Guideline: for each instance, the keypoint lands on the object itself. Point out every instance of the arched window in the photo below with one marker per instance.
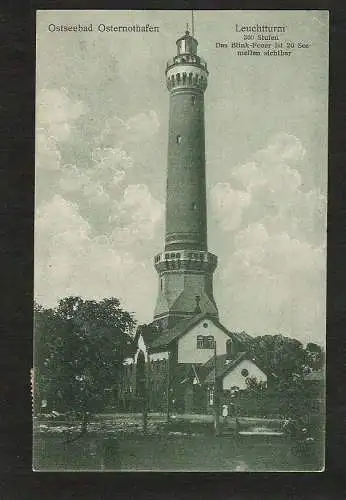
(209, 343)
(178, 139)
(193, 99)
(200, 342)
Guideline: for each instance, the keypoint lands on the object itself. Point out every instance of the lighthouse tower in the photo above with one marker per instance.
(185, 268)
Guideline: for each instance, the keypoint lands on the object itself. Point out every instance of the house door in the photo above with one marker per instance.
(188, 399)
(199, 400)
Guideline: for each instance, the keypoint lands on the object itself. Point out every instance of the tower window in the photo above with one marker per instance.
(194, 205)
(193, 99)
(161, 283)
(178, 139)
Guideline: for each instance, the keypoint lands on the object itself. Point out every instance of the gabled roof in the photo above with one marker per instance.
(179, 329)
(168, 336)
(223, 365)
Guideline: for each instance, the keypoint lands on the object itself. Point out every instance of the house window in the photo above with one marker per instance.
(244, 372)
(200, 341)
(205, 325)
(209, 342)
(178, 139)
(205, 342)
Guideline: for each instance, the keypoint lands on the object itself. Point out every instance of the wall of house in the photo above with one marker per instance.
(236, 379)
(187, 345)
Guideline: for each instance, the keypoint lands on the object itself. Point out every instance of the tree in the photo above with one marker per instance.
(315, 356)
(283, 356)
(253, 385)
(80, 347)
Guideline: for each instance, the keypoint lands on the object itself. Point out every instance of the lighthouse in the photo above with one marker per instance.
(185, 268)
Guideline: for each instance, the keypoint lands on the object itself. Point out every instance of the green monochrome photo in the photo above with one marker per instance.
(180, 240)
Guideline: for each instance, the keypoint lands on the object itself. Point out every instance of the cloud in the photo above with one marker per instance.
(273, 252)
(56, 113)
(127, 133)
(229, 205)
(69, 260)
(275, 284)
(136, 215)
(283, 147)
(48, 156)
(96, 181)
(142, 126)
(90, 223)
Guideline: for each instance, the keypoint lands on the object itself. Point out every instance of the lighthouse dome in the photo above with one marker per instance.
(187, 44)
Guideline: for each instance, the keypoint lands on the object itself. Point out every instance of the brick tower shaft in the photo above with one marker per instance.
(186, 267)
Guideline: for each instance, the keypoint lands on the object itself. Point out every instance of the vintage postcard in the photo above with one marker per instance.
(180, 240)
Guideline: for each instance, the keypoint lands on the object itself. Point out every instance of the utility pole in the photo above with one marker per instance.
(216, 397)
(168, 387)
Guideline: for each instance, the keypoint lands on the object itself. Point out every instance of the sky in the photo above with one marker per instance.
(101, 155)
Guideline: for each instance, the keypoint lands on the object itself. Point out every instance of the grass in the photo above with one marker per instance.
(168, 453)
(186, 443)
